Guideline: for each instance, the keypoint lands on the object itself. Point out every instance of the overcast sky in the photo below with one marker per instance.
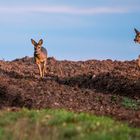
(72, 30)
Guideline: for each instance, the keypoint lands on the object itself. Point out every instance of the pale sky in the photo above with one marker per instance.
(72, 30)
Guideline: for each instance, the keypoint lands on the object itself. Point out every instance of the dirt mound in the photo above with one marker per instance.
(93, 86)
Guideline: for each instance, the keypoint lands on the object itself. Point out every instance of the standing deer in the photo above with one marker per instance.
(137, 40)
(40, 56)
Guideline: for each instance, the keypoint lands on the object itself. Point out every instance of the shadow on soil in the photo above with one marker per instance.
(105, 83)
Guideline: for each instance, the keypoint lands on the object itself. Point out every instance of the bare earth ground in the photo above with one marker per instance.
(96, 87)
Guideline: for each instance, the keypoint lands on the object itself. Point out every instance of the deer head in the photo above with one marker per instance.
(37, 46)
(137, 37)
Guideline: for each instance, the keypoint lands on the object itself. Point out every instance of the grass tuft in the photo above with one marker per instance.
(130, 103)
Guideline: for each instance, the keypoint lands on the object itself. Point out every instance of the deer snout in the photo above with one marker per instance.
(37, 51)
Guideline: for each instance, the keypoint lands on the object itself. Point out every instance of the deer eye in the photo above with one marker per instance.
(38, 46)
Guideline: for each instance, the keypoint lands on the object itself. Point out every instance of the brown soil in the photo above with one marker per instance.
(93, 86)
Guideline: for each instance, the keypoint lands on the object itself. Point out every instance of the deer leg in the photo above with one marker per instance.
(40, 71)
(44, 68)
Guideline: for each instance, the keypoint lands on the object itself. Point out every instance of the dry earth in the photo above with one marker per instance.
(96, 87)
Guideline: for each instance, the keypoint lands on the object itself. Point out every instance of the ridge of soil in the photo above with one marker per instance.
(93, 86)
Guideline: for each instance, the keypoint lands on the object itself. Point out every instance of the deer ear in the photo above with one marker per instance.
(40, 42)
(33, 42)
(136, 31)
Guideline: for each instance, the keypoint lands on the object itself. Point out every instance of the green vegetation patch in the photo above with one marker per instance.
(62, 125)
(130, 103)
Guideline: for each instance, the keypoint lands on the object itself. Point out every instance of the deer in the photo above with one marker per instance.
(137, 40)
(137, 37)
(40, 56)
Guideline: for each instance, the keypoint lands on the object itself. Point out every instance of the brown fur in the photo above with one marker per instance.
(137, 37)
(40, 56)
(137, 40)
